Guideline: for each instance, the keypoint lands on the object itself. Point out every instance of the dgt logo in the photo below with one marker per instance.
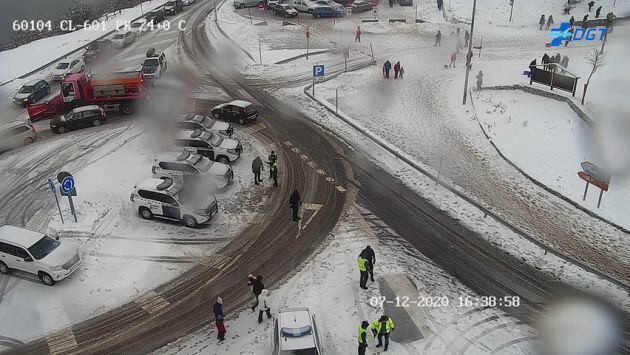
(562, 33)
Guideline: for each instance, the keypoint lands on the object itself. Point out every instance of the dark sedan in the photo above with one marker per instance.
(80, 117)
(155, 16)
(361, 6)
(32, 92)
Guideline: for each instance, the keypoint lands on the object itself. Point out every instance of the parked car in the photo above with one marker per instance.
(405, 2)
(156, 16)
(188, 2)
(295, 332)
(361, 6)
(330, 3)
(304, 6)
(272, 3)
(193, 121)
(284, 10)
(139, 27)
(236, 111)
(192, 169)
(67, 67)
(79, 117)
(37, 254)
(208, 144)
(173, 7)
(166, 199)
(327, 11)
(241, 4)
(15, 134)
(32, 92)
(122, 39)
(154, 64)
(94, 50)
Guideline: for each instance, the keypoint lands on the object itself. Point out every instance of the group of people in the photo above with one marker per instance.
(548, 22)
(261, 295)
(381, 328)
(557, 59)
(258, 167)
(399, 71)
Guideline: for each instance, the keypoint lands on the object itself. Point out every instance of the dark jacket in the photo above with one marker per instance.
(532, 64)
(274, 170)
(257, 165)
(218, 311)
(387, 65)
(272, 158)
(294, 200)
(257, 285)
(368, 253)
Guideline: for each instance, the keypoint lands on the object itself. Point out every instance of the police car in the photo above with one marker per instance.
(295, 332)
(209, 144)
(194, 121)
(190, 168)
(166, 199)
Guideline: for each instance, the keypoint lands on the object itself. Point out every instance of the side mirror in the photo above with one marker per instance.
(28, 259)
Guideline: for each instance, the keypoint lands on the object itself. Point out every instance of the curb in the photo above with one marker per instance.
(579, 112)
(303, 55)
(348, 120)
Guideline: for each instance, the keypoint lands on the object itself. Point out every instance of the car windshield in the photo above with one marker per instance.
(311, 351)
(43, 247)
(136, 24)
(27, 89)
(119, 36)
(286, 6)
(62, 65)
(215, 140)
(170, 3)
(151, 63)
(207, 122)
(203, 164)
(94, 47)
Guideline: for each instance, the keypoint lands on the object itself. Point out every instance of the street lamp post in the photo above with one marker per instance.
(469, 56)
(141, 10)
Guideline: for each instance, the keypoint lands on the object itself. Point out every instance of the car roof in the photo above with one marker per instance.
(33, 82)
(152, 185)
(240, 103)
(12, 124)
(296, 318)
(185, 134)
(19, 236)
(182, 156)
(85, 108)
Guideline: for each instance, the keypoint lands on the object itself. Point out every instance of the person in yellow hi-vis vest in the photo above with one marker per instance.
(363, 332)
(382, 328)
(363, 263)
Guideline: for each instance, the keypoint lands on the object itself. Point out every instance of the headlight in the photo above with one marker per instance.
(201, 212)
(56, 268)
(26, 99)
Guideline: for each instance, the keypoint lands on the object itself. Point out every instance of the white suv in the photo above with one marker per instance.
(208, 144)
(304, 6)
(37, 254)
(188, 167)
(192, 121)
(167, 199)
(154, 64)
(295, 332)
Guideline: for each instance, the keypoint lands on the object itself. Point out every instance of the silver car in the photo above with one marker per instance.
(16, 134)
(241, 4)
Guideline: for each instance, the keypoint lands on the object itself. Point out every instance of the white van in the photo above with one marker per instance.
(37, 254)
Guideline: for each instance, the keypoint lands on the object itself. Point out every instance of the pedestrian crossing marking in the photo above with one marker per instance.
(315, 207)
(312, 164)
(288, 144)
(321, 172)
(340, 189)
(330, 179)
(151, 302)
(62, 341)
(295, 150)
(255, 128)
(304, 157)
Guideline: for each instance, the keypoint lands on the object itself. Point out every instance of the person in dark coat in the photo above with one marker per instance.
(479, 80)
(532, 64)
(396, 70)
(556, 59)
(466, 38)
(541, 22)
(387, 66)
(368, 253)
(571, 21)
(439, 5)
(218, 318)
(599, 9)
(569, 37)
(549, 22)
(585, 21)
(257, 167)
(271, 159)
(590, 5)
(545, 61)
(274, 174)
(438, 39)
(294, 202)
(257, 287)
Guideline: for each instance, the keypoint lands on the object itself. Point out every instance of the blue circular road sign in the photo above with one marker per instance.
(67, 184)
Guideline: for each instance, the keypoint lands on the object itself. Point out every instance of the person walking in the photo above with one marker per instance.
(387, 66)
(439, 5)
(590, 5)
(541, 22)
(274, 173)
(257, 167)
(294, 202)
(571, 21)
(363, 337)
(569, 37)
(401, 72)
(466, 38)
(598, 11)
(263, 306)
(382, 328)
(453, 59)
(545, 61)
(271, 159)
(585, 21)
(564, 62)
(218, 318)
(357, 35)
(257, 287)
(479, 80)
(362, 263)
(549, 22)
(438, 39)
(370, 256)
(396, 70)
(610, 17)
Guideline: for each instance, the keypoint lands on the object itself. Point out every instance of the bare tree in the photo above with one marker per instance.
(597, 60)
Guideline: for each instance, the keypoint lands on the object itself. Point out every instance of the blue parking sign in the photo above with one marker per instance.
(318, 70)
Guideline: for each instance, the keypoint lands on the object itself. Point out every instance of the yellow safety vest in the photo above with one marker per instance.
(389, 326)
(361, 332)
(361, 261)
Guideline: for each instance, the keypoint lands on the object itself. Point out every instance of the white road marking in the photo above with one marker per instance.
(312, 164)
(151, 302)
(330, 179)
(288, 144)
(321, 172)
(340, 189)
(315, 207)
(61, 342)
(295, 150)
(304, 157)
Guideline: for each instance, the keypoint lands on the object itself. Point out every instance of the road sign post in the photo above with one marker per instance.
(68, 189)
(51, 184)
(594, 175)
(318, 70)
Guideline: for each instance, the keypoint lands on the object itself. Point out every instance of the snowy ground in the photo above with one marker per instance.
(328, 285)
(124, 255)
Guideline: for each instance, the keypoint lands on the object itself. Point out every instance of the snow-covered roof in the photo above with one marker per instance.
(19, 236)
(85, 108)
(152, 184)
(295, 318)
(240, 103)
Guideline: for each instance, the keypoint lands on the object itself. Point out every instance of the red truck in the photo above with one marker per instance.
(115, 91)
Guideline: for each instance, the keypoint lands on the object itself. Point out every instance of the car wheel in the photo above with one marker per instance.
(28, 140)
(241, 6)
(126, 109)
(46, 279)
(61, 130)
(310, 11)
(96, 123)
(4, 269)
(145, 213)
(224, 160)
(189, 221)
(241, 121)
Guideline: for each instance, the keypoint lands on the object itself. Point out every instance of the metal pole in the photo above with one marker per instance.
(307, 45)
(472, 27)
(336, 99)
(260, 52)
(345, 62)
(511, 9)
(372, 51)
(416, 12)
(249, 11)
(585, 191)
(313, 87)
(216, 14)
(439, 170)
(58, 207)
(142, 12)
(599, 201)
(74, 214)
(604, 43)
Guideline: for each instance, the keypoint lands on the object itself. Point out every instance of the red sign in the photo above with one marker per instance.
(586, 177)
(261, 6)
